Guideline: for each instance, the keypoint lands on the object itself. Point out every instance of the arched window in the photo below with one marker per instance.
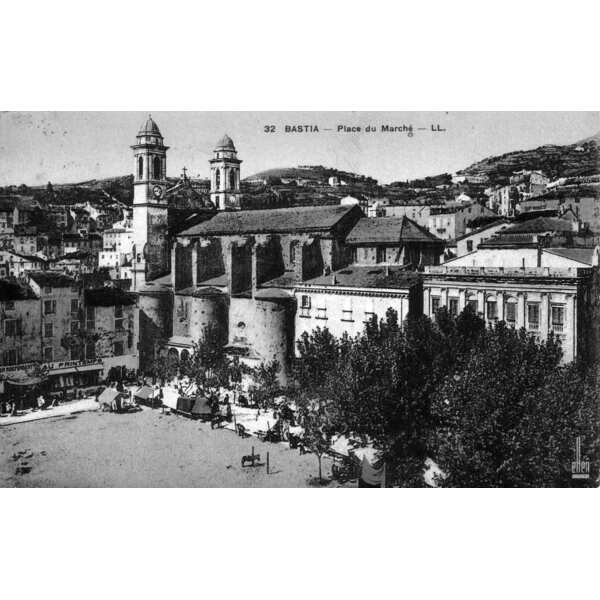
(156, 167)
(232, 179)
(140, 167)
(218, 179)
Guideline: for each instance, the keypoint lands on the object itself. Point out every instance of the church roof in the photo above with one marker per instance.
(276, 220)
(149, 127)
(225, 143)
(389, 230)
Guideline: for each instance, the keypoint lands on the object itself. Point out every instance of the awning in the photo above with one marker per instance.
(25, 381)
(108, 395)
(201, 406)
(98, 367)
(144, 393)
(63, 371)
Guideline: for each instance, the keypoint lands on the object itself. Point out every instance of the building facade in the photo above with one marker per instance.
(541, 300)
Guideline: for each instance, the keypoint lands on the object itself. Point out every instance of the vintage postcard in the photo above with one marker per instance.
(316, 299)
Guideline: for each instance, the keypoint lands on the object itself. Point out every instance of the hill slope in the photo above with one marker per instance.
(555, 161)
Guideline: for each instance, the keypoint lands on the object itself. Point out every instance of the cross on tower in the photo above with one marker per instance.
(184, 173)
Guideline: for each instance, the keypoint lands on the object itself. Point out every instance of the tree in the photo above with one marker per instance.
(315, 417)
(208, 365)
(510, 415)
(267, 383)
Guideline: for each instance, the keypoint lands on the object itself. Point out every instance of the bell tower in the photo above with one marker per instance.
(225, 176)
(150, 258)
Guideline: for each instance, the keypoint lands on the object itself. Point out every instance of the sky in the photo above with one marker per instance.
(67, 147)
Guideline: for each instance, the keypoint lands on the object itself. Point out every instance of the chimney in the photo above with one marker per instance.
(333, 279)
(387, 270)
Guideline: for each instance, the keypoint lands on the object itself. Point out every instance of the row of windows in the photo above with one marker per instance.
(380, 254)
(347, 314)
(557, 312)
(321, 312)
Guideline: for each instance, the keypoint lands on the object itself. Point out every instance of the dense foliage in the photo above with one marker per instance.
(492, 407)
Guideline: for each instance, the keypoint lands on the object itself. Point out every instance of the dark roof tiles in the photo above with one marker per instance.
(389, 230)
(278, 220)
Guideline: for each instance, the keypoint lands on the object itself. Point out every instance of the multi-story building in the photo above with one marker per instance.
(118, 239)
(109, 325)
(393, 241)
(542, 300)
(20, 323)
(347, 299)
(419, 213)
(72, 242)
(503, 200)
(25, 240)
(9, 216)
(470, 241)
(451, 220)
(529, 183)
(18, 265)
(61, 305)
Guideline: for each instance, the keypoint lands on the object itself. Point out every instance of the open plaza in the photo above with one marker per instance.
(148, 448)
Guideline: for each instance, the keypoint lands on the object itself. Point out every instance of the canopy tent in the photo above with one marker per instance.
(201, 407)
(108, 395)
(144, 393)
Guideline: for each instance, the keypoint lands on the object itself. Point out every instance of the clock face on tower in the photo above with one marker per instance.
(157, 191)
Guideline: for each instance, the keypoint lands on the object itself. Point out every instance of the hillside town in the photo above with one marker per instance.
(235, 300)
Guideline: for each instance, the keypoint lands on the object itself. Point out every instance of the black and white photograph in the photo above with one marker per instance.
(356, 299)
(257, 257)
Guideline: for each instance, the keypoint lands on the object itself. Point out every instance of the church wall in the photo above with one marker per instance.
(193, 314)
(265, 327)
(267, 261)
(182, 267)
(211, 259)
(155, 323)
(240, 267)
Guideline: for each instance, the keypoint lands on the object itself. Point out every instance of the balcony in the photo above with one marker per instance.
(508, 271)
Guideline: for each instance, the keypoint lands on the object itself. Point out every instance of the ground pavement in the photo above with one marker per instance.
(143, 449)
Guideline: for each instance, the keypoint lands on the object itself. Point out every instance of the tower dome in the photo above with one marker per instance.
(149, 127)
(225, 143)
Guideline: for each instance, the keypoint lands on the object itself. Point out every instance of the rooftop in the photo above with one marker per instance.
(149, 127)
(389, 230)
(225, 143)
(15, 290)
(509, 240)
(277, 220)
(366, 277)
(52, 279)
(541, 224)
(483, 228)
(108, 296)
(583, 255)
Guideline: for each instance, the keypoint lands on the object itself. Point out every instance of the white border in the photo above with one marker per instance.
(301, 56)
